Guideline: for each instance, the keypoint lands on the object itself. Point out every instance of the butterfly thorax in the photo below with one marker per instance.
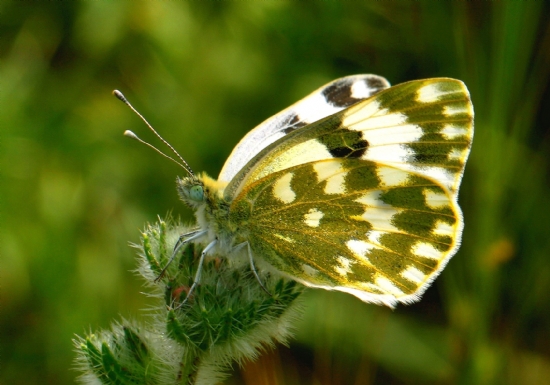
(204, 195)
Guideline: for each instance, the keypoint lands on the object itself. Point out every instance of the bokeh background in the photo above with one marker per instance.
(75, 192)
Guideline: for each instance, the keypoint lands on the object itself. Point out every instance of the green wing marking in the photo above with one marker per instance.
(378, 232)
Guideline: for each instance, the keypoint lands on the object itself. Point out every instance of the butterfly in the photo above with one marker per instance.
(353, 188)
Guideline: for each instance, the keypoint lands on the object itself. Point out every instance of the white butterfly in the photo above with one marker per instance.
(353, 188)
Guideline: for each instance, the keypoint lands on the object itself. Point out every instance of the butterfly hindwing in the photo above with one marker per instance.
(327, 100)
(353, 225)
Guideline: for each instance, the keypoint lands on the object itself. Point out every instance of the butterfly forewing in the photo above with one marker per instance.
(425, 126)
(375, 231)
(327, 100)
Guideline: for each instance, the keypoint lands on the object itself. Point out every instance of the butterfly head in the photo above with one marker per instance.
(196, 191)
(192, 191)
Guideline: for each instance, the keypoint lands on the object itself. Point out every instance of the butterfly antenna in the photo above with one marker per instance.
(130, 134)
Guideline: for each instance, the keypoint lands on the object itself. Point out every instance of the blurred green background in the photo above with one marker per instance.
(75, 191)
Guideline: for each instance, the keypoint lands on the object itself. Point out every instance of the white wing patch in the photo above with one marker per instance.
(387, 285)
(426, 250)
(302, 153)
(344, 267)
(391, 154)
(365, 119)
(357, 115)
(379, 218)
(455, 110)
(360, 249)
(316, 107)
(390, 176)
(372, 199)
(457, 154)
(430, 93)
(361, 90)
(334, 175)
(282, 189)
(453, 131)
(444, 229)
(327, 169)
(435, 200)
(374, 237)
(336, 184)
(313, 217)
(399, 134)
(412, 274)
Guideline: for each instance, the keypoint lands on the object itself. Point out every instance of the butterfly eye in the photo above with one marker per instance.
(196, 193)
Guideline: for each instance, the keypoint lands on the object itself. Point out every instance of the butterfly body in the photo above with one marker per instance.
(205, 196)
(363, 199)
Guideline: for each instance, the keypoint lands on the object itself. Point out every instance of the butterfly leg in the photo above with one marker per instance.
(198, 273)
(253, 268)
(183, 239)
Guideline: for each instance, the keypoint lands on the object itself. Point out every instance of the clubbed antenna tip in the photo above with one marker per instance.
(120, 96)
(130, 134)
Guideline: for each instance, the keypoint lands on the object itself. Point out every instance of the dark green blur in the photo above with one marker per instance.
(75, 192)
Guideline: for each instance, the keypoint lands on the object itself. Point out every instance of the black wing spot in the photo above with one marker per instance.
(293, 123)
(375, 82)
(339, 95)
(344, 143)
(357, 150)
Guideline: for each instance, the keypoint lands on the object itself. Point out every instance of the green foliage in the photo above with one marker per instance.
(228, 318)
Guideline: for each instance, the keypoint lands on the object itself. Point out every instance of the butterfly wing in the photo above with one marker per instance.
(363, 201)
(378, 232)
(327, 100)
(422, 126)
